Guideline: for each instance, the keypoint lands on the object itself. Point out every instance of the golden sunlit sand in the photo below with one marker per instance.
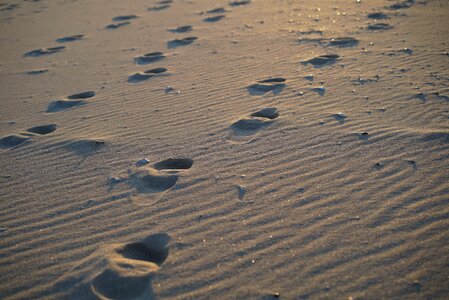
(198, 149)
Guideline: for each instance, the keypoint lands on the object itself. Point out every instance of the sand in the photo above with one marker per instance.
(197, 149)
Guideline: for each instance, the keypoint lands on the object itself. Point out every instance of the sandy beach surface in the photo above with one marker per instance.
(199, 149)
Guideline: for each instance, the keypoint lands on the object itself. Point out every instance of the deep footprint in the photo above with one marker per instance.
(149, 58)
(44, 51)
(12, 141)
(158, 8)
(181, 42)
(43, 129)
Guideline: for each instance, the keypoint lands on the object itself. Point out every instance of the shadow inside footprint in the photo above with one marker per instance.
(377, 16)
(181, 29)
(218, 10)
(379, 26)
(43, 51)
(42, 129)
(61, 105)
(12, 141)
(174, 164)
(70, 38)
(214, 19)
(149, 58)
(124, 18)
(240, 2)
(322, 60)
(269, 113)
(181, 42)
(83, 95)
(117, 25)
(138, 77)
(160, 7)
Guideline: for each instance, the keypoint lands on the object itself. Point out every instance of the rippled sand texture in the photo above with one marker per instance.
(224, 150)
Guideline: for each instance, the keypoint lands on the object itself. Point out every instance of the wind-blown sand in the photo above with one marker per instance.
(224, 150)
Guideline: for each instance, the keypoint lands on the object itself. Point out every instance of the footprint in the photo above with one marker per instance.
(12, 141)
(61, 105)
(43, 129)
(85, 147)
(323, 60)
(138, 77)
(340, 117)
(378, 16)
(83, 95)
(160, 7)
(343, 42)
(37, 72)
(181, 29)
(70, 38)
(239, 3)
(402, 5)
(124, 18)
(43, 51)
(275, 85)
(269, 113)
(214, 19)
(117, 25)
(149, 58)
(218, 10)
(174, 164)
(249, 126)
(154, 180)
(181, 42)
(379, 26)
(118, 271)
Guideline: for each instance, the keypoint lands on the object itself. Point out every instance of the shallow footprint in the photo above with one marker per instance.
(85, 147)
(160, 7)
(181, 42)
(149, 58)
(42, 129)
(275, 85)
(70, 38)
(43, 51)
(322, 60)
(61, 105)
(240, 2)
(249, 126)
(139, 77)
